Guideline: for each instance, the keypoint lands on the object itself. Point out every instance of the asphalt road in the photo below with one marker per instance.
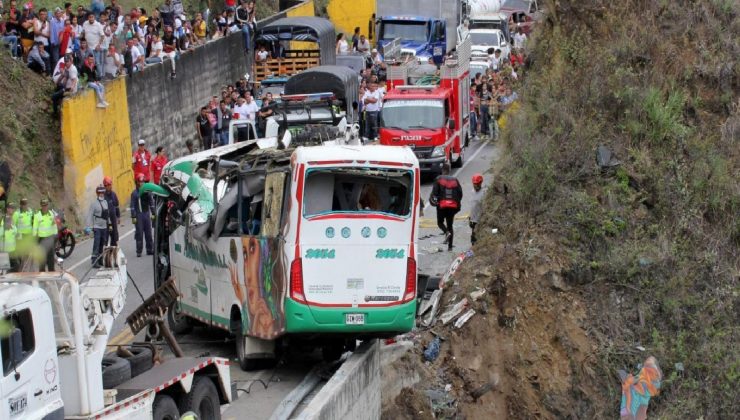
(260, 392)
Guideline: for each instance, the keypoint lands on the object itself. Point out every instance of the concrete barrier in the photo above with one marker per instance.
(353, 392)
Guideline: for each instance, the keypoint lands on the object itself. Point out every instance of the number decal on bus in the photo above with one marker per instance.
(320, 253)
(389, 253)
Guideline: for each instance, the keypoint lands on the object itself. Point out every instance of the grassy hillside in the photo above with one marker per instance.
(650, 246)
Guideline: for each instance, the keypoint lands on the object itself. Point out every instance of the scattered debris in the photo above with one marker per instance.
(636, 391)
(432, 351)
(679, 367)
(454, 266)
(484, 272)
(494, 231)
(434, 306)
(641, 348)
(487, 387)
(605, 158)
(477, 293)
(453, 312)
(448, 387)
(464, 318)
(556, 281)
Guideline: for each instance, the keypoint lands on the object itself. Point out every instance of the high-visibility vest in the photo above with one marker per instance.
(44, 225)
(7, 238)
(23, 221)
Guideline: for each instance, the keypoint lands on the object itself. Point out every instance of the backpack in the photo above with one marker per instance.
(448, 198)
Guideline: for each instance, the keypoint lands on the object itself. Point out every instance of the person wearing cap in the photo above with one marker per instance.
(476, 206)
(98, 219)
(26, 32)
(447, 196)
(8, 236)
(142, 210)
(23, 222)
(376, 57)
(45, 229)
(141, 161)
(114, 210)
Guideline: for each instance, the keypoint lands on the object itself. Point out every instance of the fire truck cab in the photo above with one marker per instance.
(432, 116)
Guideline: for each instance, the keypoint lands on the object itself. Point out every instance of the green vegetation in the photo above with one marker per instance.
(656, 83)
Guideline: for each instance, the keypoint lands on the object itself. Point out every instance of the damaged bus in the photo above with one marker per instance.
(310, 243)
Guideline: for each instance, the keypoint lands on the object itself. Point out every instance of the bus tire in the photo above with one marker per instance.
(178, 322)
(459, 162)
(247, 360)
(116, 371)
(202, 399)
(165, 408)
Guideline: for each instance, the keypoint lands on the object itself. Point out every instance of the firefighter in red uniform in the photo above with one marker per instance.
(142, 161)
(447, 197)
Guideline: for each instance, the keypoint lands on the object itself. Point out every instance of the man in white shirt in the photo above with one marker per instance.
(113, 62)
(94, 34)
(363, 45)
(371, 102)
(251, 108)
(65, 77)
(240, 109)
(520, 38)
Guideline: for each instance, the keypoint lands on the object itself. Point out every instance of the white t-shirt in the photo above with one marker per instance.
(371, 107)
(93, 33)
(110, 65)
(520, 40)
(156, 49)
(343, 47)
(251, 110)
(262, 55)
(363, 47)
(241, 110)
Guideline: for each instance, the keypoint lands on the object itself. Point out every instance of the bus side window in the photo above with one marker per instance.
(272, 205)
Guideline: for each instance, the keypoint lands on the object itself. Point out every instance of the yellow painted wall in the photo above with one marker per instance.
(304, 9)
(96, 142)
(346, 15)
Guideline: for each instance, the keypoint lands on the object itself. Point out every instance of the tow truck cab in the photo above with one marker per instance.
(431, 119)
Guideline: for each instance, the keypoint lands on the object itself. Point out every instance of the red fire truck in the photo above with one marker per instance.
(431, 118)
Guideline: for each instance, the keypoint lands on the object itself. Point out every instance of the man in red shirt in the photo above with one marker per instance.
(158, 164)
(142, 161)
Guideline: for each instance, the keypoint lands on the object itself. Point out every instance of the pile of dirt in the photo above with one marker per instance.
(600, 261)
(30, 138)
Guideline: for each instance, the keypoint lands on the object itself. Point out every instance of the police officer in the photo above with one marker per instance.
(114, 209)
(446, 196)
(98, 218)
(477, 206)
(23, 222)
(8, 234)
(142, 210)
(45, 229)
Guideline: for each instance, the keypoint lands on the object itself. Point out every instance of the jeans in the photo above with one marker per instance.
(473, 124)
(223, 137)
(371, 124)
(12, 42)
(473, 239)
(153, 60)
(445, 219)
(100, 238)
(484, 120)
(99, 58)
(56, 99)
(143, 228)
(54, 54)
(246, 33)
(99, 90)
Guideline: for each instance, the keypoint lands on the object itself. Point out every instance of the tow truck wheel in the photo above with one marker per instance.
(179, 323)
(165, 408)
(202, 399)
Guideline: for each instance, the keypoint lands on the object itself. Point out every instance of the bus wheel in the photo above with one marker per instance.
(459, 162)
(254, 353)
(179, 323)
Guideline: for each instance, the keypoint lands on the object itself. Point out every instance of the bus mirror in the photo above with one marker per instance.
(451, 124)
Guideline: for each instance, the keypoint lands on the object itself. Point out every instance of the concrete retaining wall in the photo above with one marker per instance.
(162, 110)
(353, 392)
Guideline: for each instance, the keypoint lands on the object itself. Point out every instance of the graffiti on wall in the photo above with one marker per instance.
(96, 142)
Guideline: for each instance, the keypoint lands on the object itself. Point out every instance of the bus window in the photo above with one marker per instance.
(345, 190)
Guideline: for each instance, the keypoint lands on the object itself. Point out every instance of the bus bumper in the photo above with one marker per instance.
(301, 318)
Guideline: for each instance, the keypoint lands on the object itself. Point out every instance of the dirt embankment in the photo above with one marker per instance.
(598, 265)
(30, 138)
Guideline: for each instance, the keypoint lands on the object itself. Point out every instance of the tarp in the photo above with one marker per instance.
(302, 28)
(340, 80)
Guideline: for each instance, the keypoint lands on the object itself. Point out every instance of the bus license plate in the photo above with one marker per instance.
(354, 319)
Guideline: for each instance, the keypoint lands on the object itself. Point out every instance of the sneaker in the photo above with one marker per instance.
(102, 105)
(105, 103)
(138, 254)
(447, 239)
(150, 253)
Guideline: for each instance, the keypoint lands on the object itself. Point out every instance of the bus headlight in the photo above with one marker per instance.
(438, 151)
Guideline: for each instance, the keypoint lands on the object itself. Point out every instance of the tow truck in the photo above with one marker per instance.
(431, 118)
(54, 332)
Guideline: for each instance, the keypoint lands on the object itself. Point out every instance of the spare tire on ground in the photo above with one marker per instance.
(116, 371)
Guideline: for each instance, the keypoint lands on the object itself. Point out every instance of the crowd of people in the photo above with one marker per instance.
(80, 47)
